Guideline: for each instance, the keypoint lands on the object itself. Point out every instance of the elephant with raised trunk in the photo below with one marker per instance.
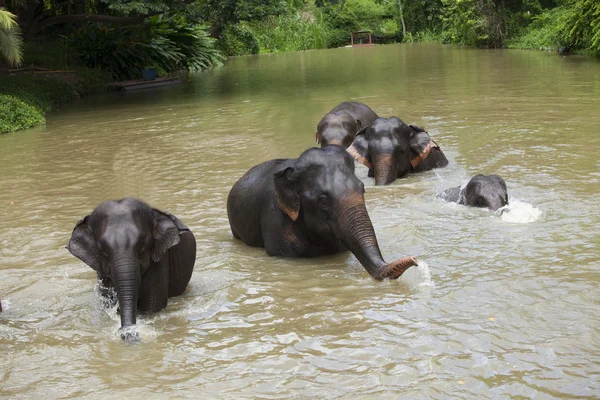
(309, 206)
(484, 191)
(340, 125)
(144, 254)
(392, 149)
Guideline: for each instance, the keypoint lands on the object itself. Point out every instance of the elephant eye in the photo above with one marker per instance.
(323, 202)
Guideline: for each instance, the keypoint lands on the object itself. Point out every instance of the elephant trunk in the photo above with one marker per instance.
(357, 233)
(384, 169)
(126, 278)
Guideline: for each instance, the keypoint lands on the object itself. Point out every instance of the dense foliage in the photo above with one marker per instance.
(168, 43)
(25, 99)
(559, 25)
(16, 115)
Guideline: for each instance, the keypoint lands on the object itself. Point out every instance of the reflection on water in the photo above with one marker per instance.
(495, 308)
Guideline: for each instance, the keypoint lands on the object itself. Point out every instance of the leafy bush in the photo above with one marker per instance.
(53, 53)
(238, 39)
(543, 33)
(16, 115)
(473, 22)
(169, 42)
(289, 33)
(582, 25)
(38, 91)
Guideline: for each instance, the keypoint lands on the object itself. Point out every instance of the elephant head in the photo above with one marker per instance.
(384, 147)
(121, 240)
(484, 191)
(322, 193)
(425, 153)
(337, 128)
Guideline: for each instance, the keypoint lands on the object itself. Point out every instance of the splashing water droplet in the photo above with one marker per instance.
(520, 212)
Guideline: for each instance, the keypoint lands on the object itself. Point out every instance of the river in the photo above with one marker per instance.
(501, 306)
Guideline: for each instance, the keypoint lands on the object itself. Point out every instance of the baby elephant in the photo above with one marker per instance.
(145, 254)
(485, 191)
(306, 207)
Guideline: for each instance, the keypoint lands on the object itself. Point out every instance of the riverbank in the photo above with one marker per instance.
(27, 95)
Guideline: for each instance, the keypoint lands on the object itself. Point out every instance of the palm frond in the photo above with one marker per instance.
(8, 21)
(11, 46)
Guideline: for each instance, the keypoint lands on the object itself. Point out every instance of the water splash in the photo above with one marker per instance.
(520, 212)
(418, 276)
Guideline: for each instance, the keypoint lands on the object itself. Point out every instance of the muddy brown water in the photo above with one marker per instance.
(500, 307)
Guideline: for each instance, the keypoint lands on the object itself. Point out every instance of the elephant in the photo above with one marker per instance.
(384, 147)
(339, 126)
(144, 254)
(485, 191)
(306, 207)
(392, 149)
(425, 153)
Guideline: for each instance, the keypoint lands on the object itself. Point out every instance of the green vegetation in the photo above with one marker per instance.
(17, 115)
(25, 99)
(11, 45)
(96, 41)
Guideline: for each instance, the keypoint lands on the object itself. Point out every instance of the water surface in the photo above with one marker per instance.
(500, 307)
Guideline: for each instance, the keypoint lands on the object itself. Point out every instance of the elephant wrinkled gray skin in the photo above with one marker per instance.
(391, 149)
(425, 153)
(306, 207)
(340, 125)
(144, 254)
(485, 191)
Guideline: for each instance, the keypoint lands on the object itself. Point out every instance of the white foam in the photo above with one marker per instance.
(519, 212)
(418, 276)
(5, 304)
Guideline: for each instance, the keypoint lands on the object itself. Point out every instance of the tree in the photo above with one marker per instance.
(36, 15)
(11, 44)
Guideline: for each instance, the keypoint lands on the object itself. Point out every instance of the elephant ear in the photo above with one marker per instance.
(287, 197)
(165, 233)
(359, 126)
(417, 128)
(83, 246)
(359, 149)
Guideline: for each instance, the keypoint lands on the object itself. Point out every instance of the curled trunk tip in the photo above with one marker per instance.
(395, 269)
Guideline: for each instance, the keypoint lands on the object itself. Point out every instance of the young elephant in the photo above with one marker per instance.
(339, 126)
(145, 254)
(391, 149)
(384, 147)
(306, 207)
(425, 153)
(485, 191)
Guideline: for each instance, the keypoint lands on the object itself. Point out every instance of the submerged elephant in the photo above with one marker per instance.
(485, 191)
(340, 125)
(391, 149)
(306, 207)
(145, 254)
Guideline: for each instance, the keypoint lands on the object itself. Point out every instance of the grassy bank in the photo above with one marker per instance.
(26, 98)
